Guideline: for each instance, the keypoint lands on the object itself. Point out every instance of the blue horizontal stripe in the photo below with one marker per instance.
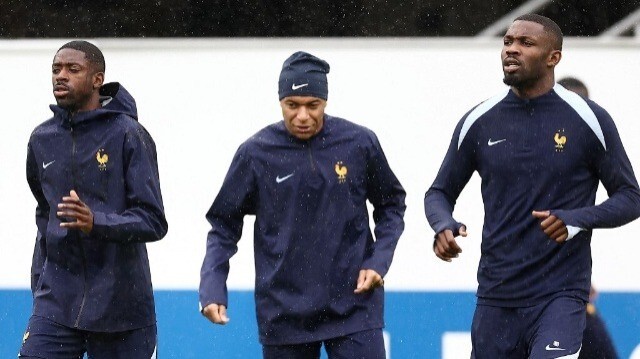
(415, 323)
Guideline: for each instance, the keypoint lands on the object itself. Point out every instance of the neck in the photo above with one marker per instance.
(92, 104)
(536, 89)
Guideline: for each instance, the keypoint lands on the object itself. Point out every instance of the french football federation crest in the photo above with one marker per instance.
(341, 171)
(102, 159)
(561, 140)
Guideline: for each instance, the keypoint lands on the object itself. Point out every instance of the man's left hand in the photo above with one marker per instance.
(368, 279)
(73, 208)
(552, 226)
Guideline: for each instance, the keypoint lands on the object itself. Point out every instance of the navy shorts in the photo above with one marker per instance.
(368, 344)
(45, 339)
(549, 330)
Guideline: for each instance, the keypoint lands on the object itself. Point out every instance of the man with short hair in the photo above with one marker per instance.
(318, 268)
(575, 85)
(93, 171)
(540, 151)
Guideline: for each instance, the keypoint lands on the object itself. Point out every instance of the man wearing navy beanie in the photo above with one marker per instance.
(303, 75)
(319, 270)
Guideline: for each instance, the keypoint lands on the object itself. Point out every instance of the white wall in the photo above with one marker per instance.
(201, 98)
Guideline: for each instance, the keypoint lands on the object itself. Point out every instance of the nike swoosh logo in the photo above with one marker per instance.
(45, 165)
(282, 179)
(295, 87)
(553, 348)
(493, 143)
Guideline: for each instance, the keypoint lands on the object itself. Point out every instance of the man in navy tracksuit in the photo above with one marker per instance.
(540, 151)
(319, 269)
(93, 171)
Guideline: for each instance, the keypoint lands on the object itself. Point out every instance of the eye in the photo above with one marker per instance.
(55, 71)
(507, 41)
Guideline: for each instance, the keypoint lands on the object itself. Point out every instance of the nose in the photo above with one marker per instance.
(511, 49)
(61, 76)
(303, 114)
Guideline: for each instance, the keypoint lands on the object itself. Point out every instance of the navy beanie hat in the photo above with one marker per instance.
(303, 75)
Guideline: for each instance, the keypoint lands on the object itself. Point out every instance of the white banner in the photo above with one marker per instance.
(201, 98)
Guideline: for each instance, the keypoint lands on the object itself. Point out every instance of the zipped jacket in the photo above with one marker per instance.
(311, 234)
(98, 281)
(546, 153)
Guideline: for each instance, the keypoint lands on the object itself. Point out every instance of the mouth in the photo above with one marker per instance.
(510, 64)
(60, 90)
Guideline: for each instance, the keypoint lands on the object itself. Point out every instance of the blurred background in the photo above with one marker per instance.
(272, 18)
(204, 75)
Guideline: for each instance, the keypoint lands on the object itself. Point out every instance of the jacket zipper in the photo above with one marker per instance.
(84, 260)
(313, 165)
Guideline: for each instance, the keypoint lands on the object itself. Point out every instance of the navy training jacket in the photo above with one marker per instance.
(311, 234)
(545, 153)
(101, 281)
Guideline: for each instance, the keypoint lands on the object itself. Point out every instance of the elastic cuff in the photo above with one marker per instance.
(572, 231)
(99, 229)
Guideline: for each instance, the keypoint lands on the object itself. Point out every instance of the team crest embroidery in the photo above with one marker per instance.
(341, 171)
(102, 159)
(560, 139)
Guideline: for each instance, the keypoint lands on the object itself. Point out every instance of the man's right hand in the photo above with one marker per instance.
(216, 313)
(445, 246)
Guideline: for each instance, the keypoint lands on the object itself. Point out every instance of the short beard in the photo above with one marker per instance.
(73, 104)
(69, 107)
(511, 80)
(518, 82)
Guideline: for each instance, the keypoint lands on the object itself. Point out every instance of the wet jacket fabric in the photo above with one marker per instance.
(98, 281)
(546, 153)
(311, 234)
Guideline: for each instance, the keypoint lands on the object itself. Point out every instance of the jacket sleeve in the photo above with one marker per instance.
(613, 168)
(454, 174)
(42, 219)
(226, 215)
(387, 196)
(143, 220)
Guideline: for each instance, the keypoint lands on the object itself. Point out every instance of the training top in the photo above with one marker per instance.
(311, 233)
(545, 153)
(98, 281)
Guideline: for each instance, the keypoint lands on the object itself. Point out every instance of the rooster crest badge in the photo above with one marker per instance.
(102, 159)
(341, 171)
(560, 139)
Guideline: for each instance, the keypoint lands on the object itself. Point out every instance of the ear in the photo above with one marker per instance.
(554, 58)
(98, 80)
